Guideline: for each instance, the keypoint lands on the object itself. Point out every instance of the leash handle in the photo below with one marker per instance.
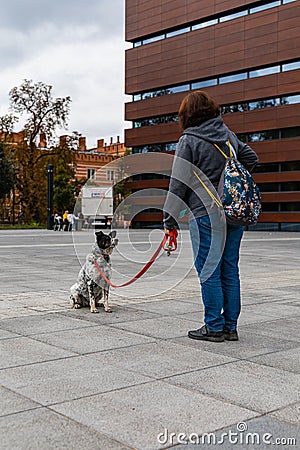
(140, 273)
(171, 244)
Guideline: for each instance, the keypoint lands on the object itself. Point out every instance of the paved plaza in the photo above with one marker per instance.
(132, 379)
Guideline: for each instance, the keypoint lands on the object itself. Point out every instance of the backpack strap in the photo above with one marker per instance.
(231, 151)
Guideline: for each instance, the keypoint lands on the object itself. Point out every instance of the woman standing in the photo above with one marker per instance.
(199, 117)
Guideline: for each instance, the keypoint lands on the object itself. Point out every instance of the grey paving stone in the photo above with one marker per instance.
(46, 430)
(163, 327)
(62, 380)
(119, 314)
(4, 334)
(288, 329)
(160, 359)
(290, 414)
(92, 339)
(11, 402)
(249, 345)
(137, 415)
(23, 350)
(287, 360)
(260, 433)
(170, 307)
(246, 384)
(275, 310)
(245, 318)
(42, 323)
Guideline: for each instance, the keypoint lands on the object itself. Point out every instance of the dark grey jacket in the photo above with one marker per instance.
(196, 146)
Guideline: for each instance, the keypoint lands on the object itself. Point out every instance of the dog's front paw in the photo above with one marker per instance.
(94, 310)
(108, 310)
(76, 306)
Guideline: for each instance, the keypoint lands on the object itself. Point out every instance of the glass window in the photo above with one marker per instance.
(233, 16)
(263, 136)
(290, 132)
(260, 104)
(206, 83)
(154, 39)
(267, 168)
(287, 1)
(290, 166)
(263, 7)
(243, 137)
(170, 147)
(231, 78)
(291, 66)
(263, 72)
(270, 207)
(269, 187)
(182, 88)
(290, 186)
(110, 175)
(137, 124)
(91, 173)
(291, 206)
(238, 107)
(177, 32)
(290, 100)
(147, 95)
(137, 97)
(209, 23)
(137, 44)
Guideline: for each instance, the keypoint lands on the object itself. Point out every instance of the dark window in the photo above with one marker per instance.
(265, 168)
(270, 207)
(290, 166)
(290, 186)
(290, 132)
(268, 187)
(290, 206)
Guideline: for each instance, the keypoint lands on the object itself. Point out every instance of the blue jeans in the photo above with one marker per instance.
(220, 285)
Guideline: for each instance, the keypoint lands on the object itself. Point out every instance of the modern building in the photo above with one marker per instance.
(246, 54)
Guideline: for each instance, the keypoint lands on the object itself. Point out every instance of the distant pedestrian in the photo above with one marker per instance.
(65, 221)
(72, 221)
(57, 222)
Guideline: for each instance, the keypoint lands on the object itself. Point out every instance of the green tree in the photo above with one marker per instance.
(6, 173)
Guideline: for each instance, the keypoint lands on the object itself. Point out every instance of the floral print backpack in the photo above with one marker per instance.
(238, 191)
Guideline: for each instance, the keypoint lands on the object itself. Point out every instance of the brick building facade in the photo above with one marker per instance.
(246, 54)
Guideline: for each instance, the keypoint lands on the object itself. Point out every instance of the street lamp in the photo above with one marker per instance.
(49, 196)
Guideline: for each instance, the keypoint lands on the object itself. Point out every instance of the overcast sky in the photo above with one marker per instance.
(78, 47)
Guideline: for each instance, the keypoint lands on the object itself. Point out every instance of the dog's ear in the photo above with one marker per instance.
(113, 234)
(116, 241)
(99, 233)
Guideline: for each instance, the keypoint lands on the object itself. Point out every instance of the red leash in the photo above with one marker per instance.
(172, 245)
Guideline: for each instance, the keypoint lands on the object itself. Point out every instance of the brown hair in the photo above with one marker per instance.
(196, 108)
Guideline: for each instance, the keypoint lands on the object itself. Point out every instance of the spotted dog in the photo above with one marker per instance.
(90, 287)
